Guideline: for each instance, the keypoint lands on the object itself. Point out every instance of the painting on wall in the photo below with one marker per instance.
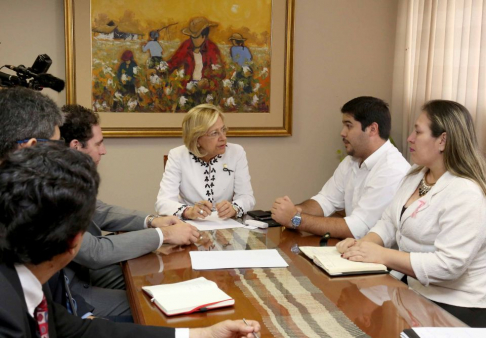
(150, 61)
(152, 56)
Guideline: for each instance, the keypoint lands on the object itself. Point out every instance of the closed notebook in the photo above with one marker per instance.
(330, 260)
(189, 296)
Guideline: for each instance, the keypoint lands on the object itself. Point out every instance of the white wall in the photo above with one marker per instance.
(343, 49)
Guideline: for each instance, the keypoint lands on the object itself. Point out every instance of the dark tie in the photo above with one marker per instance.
(40, 315)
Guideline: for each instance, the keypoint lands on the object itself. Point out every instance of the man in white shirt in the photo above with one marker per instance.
(363, 184)
(49, 193)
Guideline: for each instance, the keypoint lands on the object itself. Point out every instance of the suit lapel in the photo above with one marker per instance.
(409, 188)
(11, 274)
(423, 202)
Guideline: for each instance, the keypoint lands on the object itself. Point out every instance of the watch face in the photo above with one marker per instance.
(296, 221)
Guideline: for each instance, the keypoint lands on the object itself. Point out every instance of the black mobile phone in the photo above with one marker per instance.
(260, 214)
(264, 216)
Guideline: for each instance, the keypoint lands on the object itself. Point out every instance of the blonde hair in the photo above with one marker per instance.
(196, 123)
(462, 156)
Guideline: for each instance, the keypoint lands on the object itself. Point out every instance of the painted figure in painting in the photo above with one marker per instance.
(126, 72)
(153, 46)
(240, 54)
(200, 59)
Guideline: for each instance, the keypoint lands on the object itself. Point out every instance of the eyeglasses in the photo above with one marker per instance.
(60, 141)
(218, 133)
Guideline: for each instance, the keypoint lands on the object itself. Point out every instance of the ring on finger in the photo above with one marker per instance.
(201, 212)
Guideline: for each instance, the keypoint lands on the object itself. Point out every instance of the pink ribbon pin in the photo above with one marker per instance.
(421, 204)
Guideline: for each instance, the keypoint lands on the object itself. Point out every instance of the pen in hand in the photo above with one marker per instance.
(202, 204)
(254, 333)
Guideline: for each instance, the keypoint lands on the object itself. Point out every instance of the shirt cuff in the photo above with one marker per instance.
(145, 222)
(161, 236)
(357, 227)
(180, 211)
(181, 333)
(327, 208)
(239, 210)
(86, 315)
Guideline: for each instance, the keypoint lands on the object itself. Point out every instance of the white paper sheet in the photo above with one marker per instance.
(448, 332)
(213, 222)
(211, 260)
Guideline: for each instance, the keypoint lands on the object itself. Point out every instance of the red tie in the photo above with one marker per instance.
(40, 315)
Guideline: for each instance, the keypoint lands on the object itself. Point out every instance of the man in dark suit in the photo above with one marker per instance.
(28, 117)
(47, 199)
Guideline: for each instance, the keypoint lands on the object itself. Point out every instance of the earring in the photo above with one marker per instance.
(198, 145)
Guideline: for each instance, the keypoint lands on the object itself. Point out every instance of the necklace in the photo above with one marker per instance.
(424, 187)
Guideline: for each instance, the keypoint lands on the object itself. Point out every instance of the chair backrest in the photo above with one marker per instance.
(166, 157)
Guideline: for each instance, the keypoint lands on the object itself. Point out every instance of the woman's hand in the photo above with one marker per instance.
(345, 244)
(201, 210)
(363, 251)
(225, 209)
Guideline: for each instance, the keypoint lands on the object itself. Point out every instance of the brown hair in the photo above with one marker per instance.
(462, 156)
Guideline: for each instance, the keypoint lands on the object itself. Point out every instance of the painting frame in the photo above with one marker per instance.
(277, 122)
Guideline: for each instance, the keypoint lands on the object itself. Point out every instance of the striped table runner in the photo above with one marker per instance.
(290, 305)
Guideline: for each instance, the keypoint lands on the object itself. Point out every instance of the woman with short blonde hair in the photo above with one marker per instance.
(438, 216)
(207, 173)
(196, 123)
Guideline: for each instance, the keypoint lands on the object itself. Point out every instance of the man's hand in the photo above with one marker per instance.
(283, 210)
(180, 234)
(202, 209)
(164, 221)
(227, 329)
(225, 209)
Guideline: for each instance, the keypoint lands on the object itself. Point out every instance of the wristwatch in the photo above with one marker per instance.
(150, 219)
(296, 220)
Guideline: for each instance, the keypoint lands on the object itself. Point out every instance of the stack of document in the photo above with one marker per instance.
(213, 222)
(233, 259)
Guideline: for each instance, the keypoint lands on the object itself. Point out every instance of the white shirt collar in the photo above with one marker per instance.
(370, 162)
(31, 286)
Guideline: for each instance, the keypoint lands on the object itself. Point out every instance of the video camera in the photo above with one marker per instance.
(34, 77)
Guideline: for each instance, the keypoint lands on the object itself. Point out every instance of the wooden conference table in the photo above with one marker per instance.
(298, 301)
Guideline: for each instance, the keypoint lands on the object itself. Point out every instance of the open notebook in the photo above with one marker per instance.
(189, 296)
(330, 260)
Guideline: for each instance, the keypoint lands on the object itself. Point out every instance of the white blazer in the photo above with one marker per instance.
(187, 180)
(444, 232)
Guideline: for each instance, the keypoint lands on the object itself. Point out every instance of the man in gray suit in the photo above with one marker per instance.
(49, 192)
(29, 117)
(102, 283)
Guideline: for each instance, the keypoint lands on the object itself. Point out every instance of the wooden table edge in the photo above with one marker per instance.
(135, 306)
